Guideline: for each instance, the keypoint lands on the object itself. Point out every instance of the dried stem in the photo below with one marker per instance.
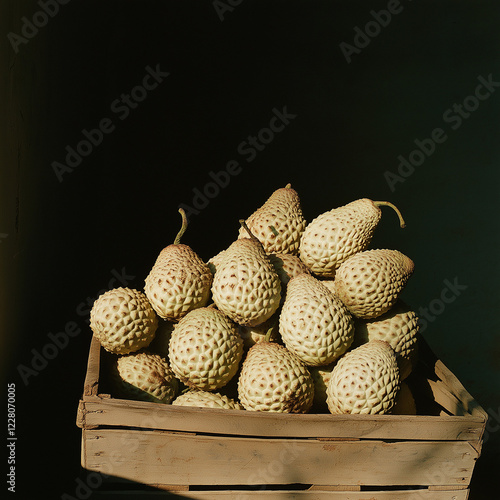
(183, 227)
(402, 223)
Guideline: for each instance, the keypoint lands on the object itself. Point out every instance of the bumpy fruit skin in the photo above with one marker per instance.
(369, 282)
(145, 377)
(398, 326)
(204, 399)
(274, 379)
(251, 335)
(246, 287)
(365, 380)
(332, 237)
(287, 266)
(178, 282)
(279, 223)
(205, 349)
(330, 284)
(214, 261)
(314, 324)
(123, 320)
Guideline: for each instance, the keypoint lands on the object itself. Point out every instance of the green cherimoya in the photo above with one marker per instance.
(332, 237)
(364, 380)
(179, 280)
(370, 282)
(205, 399)
(399, 327)
(205, 349)
(274, 379)
(314, 323)
(123, 320)
(145, 376)
(246, 286)
(279, 223)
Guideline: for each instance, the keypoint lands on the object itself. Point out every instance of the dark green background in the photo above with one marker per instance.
(119, 206)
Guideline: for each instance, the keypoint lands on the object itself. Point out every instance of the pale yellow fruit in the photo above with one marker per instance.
(273, 379)
(330, 284)
(279, 223)
(179, 281)
(205, 349)
(204, 399)
(253, 334)
(364, 380)
(370, 282)
(332, 237)
(287, 266)
(123, 320)
(399, 327)
(215, 261)
(246, 286)
(146, 377)
(314, 324)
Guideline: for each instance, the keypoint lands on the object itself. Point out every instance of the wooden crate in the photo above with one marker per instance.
(146, 449)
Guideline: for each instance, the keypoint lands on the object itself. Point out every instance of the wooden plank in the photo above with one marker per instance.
(146, 456)
(447, 400)
(421, 494)
(125, 413)
(339, 487)
(428, 359)
(91, 384)
(445, 487)
(458, 390)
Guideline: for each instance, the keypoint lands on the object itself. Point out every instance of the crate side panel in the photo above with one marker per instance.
(91, 383)
(158, 457)
(458, 390)
(123, 413)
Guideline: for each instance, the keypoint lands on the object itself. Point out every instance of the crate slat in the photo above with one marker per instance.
(119, 412)
(145, 456)
(91, 383)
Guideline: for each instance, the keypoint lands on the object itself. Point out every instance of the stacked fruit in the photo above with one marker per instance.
(291, 317)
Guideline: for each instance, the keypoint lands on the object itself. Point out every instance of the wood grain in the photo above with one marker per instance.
(124, 413)
(146, 456)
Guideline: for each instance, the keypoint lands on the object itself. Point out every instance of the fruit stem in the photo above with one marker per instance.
(252, 236)
(183, 228)
(288, 186)
(402, 223)
(269, 332)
